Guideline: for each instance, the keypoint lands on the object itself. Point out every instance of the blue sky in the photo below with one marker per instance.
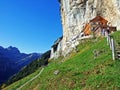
(30, 25)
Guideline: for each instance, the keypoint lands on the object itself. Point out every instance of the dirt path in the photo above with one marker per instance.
(31, 79)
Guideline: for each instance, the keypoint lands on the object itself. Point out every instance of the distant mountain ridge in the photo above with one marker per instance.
(12, 60)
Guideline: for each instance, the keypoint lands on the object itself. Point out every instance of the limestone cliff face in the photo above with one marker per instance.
(76, 13)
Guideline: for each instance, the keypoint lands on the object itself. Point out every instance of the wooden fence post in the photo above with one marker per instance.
(110, 42)
(113, 48)
(107, 39)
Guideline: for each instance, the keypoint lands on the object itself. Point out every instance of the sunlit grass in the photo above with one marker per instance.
(81, 71)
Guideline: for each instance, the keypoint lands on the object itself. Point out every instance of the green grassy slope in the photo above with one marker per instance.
(22, 81)
(80, 71)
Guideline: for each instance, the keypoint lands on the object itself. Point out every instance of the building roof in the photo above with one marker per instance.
(87, 29)
(57, 41)
(99, 18)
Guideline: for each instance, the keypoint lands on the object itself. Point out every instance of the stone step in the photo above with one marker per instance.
(118, 57)
(117, 50)
(118, 54)
(117, 44)
(117, 47)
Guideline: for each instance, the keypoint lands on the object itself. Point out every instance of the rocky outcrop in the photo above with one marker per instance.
(76, 13)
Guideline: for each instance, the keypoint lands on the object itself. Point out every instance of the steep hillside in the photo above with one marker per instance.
(80, 70)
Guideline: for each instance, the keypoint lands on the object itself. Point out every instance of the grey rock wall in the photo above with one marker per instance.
(76, 13)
